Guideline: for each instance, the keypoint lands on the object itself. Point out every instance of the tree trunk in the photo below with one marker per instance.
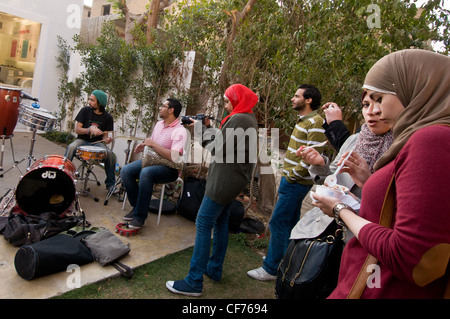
(236, 21)
(152, 20)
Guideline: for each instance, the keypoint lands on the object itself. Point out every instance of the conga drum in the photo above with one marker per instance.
(49, 186)
(9, 109)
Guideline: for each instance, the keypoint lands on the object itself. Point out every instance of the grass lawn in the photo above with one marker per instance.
(149, 280)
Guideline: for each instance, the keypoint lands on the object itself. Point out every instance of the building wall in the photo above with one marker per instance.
(61, 18)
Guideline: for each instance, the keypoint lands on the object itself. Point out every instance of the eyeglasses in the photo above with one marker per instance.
(165, 106)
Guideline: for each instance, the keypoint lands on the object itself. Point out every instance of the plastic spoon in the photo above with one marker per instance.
(317, 145)
(331, 180)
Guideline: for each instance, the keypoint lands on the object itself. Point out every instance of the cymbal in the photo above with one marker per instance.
(130, 138)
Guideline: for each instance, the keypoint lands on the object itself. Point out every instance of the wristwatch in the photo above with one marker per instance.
(337, 210)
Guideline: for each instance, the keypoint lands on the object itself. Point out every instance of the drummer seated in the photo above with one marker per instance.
(93, 123)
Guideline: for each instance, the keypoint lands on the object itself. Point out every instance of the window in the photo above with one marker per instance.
(106, 10)
(19, 40)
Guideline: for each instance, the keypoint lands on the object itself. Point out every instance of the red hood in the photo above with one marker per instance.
(242, 98)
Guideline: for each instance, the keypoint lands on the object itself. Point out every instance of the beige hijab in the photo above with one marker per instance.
(421, 80)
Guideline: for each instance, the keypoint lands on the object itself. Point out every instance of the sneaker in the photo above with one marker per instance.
(128, 217)
(261, 274)
(182, 288)
(135, 224)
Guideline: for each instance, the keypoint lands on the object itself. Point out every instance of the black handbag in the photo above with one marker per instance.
(310, 267)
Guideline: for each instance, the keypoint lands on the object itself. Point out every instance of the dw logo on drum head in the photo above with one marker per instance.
(49, 174)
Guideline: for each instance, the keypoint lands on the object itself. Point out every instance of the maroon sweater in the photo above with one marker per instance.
(421, 229)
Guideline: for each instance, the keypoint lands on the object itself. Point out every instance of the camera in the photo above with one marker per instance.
(187, 119)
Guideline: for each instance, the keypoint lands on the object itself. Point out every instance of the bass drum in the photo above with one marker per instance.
(49, 186)
(9, 109)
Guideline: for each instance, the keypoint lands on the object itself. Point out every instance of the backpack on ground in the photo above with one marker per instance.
(191, 199)
(237, 211)
(22, 229)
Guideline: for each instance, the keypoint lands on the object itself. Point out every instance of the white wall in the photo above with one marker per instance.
(63, 18)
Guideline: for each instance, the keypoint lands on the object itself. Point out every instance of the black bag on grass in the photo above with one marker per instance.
(310, 266)
(191, 199)
(51, 255)
(237, 211)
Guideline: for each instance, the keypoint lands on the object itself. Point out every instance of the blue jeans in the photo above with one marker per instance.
(210, 215)
(285, 216)
(139, 183)
(109, 161)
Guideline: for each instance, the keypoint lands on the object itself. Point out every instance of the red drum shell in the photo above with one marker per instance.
(9, 109)
(49, 186)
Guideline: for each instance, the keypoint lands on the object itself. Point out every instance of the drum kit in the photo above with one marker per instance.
(13, 111)
(49, 183)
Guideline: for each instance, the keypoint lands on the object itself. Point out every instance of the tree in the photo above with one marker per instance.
(69, 92)
(280, 44)
(110, 66)
(135, 21)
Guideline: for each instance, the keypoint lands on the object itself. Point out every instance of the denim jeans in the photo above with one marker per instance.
(110, 160)
(139, 183)
(210, 215)
(284, 217)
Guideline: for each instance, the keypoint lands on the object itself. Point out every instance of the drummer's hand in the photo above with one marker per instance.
(139, 148)
(108, 140)
(95, 130)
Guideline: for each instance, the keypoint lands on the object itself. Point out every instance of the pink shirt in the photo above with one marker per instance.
(172, 136)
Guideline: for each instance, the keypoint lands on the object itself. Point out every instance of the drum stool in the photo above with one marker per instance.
(84, 172)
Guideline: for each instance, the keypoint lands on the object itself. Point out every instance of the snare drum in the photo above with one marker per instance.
(49, 186)
(91, 154)
(40, 119)
(9, 109)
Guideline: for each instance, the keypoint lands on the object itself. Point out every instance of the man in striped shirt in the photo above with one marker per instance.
(295, 181)
(168, 140)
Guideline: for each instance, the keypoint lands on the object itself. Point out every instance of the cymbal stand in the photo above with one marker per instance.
(3, 151)
(119, 180)
(29, 157)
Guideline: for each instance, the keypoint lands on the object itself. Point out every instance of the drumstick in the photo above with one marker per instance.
(98, 142)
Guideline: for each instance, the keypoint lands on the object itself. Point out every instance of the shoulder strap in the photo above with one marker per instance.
(385, 220)
(124, 270)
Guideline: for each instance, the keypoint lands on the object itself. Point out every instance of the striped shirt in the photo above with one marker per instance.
(172, 136)
(308, 131)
